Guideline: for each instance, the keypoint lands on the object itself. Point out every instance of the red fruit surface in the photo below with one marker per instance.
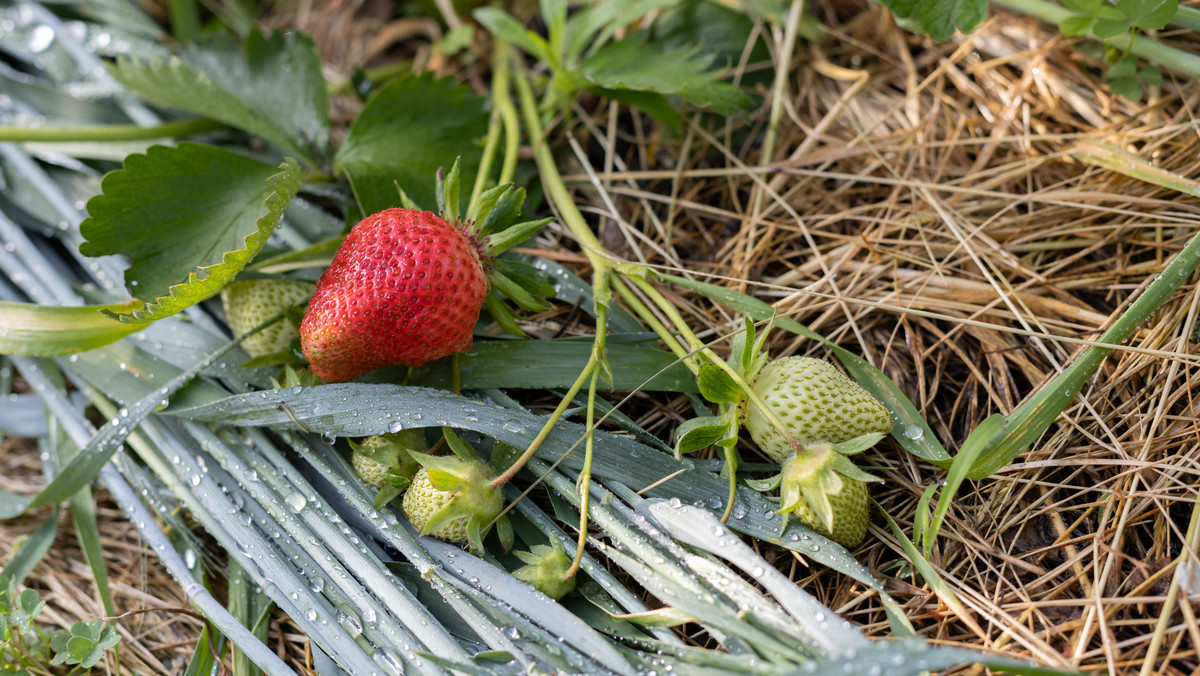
(404, 288)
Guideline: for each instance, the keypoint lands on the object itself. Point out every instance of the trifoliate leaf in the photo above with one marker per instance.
(939, 18)
(636, 65)
(273, 89)
(189, 218)
(404, 134)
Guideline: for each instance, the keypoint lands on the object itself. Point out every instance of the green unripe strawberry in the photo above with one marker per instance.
(377, 455)
(250, 303)
(816, 402)
(452, 499)
(544, 569)
(827, 492)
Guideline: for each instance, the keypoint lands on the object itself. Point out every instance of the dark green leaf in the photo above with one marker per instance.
(274, 90)
(720, 30)
(939, 18)
(189, 217)
(717, 386)
(406, 131)
(1077, 25)
(1108, 28)
(653, 104)
(541, 364)
(1149, 14)
(633, 64)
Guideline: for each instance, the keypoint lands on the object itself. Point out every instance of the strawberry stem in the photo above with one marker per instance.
(504, 119)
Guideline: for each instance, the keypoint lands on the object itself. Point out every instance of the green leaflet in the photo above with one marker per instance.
(29, 330)
(406, 132)
(274, 89)
(939, 18)
(190, 218)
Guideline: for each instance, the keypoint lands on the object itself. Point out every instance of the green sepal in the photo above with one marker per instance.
(503, 212)
(765, 485)
(516, 293)
(485, 205)
(845, 466)
(447, 193)
(407, 202)
(529, 277)
(504, 532)
(858, 444)
(389, 492)
(503, 315)
(445, 481)
(544, 569)
(504, 240)
(459, 446)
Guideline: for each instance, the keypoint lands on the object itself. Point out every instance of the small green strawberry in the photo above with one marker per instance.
(380, 454)
(816, 402)
(544, 569)
(826, 491)
(452, 499)
(250, 303)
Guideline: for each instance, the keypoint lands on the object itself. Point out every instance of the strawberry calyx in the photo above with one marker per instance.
(492, 226)
(824, 489)
(385, 462)
(545, 568)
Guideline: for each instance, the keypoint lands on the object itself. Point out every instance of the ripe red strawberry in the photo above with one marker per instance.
(406, 286)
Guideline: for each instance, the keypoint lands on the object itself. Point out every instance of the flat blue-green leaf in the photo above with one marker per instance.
(404, 134)
(634, 64)
(909, 430)
(189, 218)
(12, 504)
(914, 656)
(29, 330)
(109, 438)
(274, 89)
(30, 553)
(939, 18)
(363, 409)
(541, 364)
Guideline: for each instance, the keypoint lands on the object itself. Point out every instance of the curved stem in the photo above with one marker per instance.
(107, 132)
(496, 125)
(509, 473)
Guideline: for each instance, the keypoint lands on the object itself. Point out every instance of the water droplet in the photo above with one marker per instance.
(513, 426)
(40, 39)
(396, 426)
(297, 502)
(914, 432)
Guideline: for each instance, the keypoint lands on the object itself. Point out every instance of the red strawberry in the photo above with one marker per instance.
(404, 288)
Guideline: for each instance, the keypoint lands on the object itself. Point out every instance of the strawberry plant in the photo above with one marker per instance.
(257, 204)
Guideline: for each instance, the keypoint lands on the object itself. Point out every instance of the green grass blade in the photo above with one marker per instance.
(909, 429)
(28, 556)
(968, 457)
(914, 657)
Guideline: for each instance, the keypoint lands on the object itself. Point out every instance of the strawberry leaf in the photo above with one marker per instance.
(273, 89)
(633, 64)
(939, 18)
(189, 218)
(700, 433)
(404, 134)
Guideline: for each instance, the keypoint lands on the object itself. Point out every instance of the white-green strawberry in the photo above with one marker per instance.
(377, 455)
(453, 500)
(250, 303)
(826, 415)
(815, 401)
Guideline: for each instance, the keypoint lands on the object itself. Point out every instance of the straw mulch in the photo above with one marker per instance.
(925, 208)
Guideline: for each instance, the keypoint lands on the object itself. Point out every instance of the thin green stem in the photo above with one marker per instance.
(585, 478)
(646, 315)
(109, 132)
(185, 19)
(1141, 46)
(500, 93)
(537, 442)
